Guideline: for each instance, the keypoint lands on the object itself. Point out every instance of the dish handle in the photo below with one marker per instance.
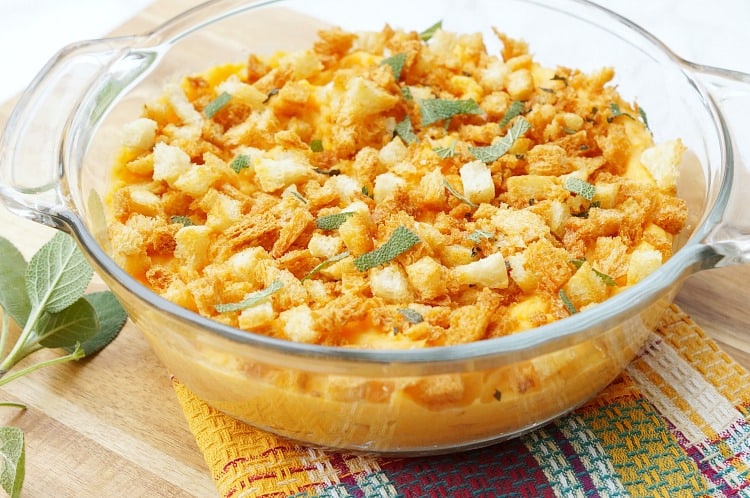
(31, 143)
(730, 91)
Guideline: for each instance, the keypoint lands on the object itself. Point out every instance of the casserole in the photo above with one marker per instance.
(351, 398)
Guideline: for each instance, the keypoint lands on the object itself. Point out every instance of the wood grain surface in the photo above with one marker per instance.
(111, 425)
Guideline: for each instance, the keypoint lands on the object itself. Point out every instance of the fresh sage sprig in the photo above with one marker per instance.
(46, 298)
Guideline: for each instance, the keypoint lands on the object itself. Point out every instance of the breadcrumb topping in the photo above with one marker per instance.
(287, 172)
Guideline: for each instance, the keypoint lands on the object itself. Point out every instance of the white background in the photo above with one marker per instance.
(31, 31)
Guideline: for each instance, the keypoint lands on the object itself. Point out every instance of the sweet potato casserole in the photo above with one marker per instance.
(393, 189)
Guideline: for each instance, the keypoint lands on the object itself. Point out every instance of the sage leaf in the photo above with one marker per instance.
(433, 110)
(580, 187)
(316, 145)
(252, 299)
(446, 152)
(111, 317)
(333, 221)
(240, 162)
(430, 32)
(217, 104)
(181, 220)
(402, 239)
(492, 153)
(458, 195)
(325, 264)
(567, 302)
(405, 131)
(515, 108)
(13, 297)
(413, 317)
(477, 235)
(12, 455)
(397, 64)
(75, 324)
(57, 275)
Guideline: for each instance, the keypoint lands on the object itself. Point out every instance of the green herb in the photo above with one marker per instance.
(578, 262)
(316, 145)
(569, 131)
(413, 317)
(580, 187)
(217, 104)
(433, 110)
(430, 32)
(609, 281)
(492, 153)
(252, 299)
(405, 131)
(46, 298)
(13, 455)
(614, 108)
(585, 213)
(298, 196)
(333, 221)
(273, 92)
(406, 93)
(329, 172)
(402, 239)
(397, 64)
(515, 109)
(181, 220)
(458, 195)
(446, 152)
(644, 118)
(366, 191)
(568, 303)
(548, 90)
(560, 78)
(498, 395)
(240, 162)
(325, 264)
(477, 235)
(583, 147)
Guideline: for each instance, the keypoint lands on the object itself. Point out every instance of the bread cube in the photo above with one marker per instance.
(299, 325)
(432, 188)
(427, 276)
(325, 246)
(487, 272)
(170, 162)
(256, 316)
(390, 284)
(393, 152)
(477, 182)
(140, 134)
(386, 185)
(662, 161)
(643, 261)
(276, 174)
(586, 287)
(363, 98)
(520, 84)
(192, 246)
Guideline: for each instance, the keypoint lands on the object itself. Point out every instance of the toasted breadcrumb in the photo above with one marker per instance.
(206, 208)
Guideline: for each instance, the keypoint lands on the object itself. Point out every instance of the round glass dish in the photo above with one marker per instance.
(60, 144)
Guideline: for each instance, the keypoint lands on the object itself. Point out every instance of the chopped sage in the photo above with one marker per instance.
(492, 153)
(402, 239)
(252, 299)
(217, 104)
(434, 110)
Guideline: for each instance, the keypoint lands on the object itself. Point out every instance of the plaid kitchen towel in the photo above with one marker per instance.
(675, 423)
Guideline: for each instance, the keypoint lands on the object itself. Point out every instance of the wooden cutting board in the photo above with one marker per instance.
(111, 425)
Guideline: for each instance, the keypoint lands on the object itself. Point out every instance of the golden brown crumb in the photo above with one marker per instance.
(320, 157)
